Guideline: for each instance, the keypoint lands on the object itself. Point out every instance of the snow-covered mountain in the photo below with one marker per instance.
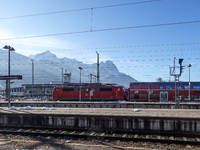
(47, 68)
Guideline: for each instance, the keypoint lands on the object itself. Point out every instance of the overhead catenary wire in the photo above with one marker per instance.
(102, 30)
(126, 49)
(117, 60)
(132, 58)
(81, 9)
(106, 49)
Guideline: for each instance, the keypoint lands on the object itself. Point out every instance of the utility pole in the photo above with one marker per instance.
(149, 93)
(90, 78)
(98, 78)
(80, 73)
(62, 75)
(80, 93)
(32, 78)
(189, 83)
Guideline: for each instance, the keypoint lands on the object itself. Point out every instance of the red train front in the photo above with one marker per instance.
(88, 92)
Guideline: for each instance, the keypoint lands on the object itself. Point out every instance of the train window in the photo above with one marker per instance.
(92, 89)
(105, 89)
(136, 92)
(68, 89)
(84, 89)
(166, 95)
(179, 98)
(161, 86)
(149, 92)
(186, 86)
(196, 86)
(168, 86)
(118, 89)
(56, 89)
(179, 87)
(196, 98)
(186, 98)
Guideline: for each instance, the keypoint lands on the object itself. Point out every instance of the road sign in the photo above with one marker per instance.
(11, 77)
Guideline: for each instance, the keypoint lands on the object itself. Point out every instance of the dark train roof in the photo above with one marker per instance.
(70, 85)
(159, 83)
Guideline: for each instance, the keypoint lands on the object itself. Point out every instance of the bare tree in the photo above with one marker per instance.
(160, 79)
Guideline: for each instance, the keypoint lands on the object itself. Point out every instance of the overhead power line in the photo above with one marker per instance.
(127, 48)
(101, 30)
(81, 9)
(105, 49)
(133, 58)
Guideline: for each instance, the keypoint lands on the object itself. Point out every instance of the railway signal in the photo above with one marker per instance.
(176, 79)
(181, 67)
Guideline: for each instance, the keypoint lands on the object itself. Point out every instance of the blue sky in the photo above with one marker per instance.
(144, 52)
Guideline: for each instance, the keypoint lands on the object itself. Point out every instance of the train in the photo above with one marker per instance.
(89, 92)
(137, 92)
(164, 91)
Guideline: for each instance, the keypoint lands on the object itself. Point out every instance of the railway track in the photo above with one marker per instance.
(168, 138)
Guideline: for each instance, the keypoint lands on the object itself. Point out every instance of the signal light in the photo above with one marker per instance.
(181, 67)
(180, 61)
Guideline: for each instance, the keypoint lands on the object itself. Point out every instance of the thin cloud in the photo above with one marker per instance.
(47, 42)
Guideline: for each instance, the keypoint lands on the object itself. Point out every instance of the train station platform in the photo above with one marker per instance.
(117, 119)
(118, 104)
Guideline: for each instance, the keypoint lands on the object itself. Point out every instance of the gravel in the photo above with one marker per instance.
(14, 142)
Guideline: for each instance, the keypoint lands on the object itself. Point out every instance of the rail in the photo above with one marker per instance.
(168, 138)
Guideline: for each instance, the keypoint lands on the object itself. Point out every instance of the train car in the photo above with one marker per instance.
(164, 91)
(88, 92)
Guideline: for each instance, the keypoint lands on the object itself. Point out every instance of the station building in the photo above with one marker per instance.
(32, 91)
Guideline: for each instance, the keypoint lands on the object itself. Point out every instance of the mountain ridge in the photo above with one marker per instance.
(47, 68)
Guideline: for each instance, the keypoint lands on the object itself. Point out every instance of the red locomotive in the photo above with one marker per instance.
(88, 92)
(164, 91)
